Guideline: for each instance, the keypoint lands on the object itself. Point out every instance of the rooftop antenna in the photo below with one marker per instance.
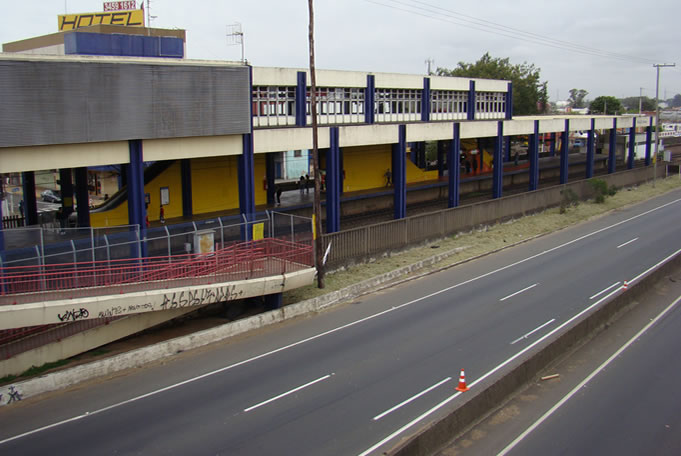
(428, 63)
(235, 36)
(149, 16)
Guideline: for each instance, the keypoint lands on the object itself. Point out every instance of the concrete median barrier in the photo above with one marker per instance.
(486, 396)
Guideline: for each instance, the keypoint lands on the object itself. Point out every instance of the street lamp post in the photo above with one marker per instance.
(657, 116)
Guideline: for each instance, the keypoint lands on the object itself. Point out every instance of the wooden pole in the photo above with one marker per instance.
(317, 205)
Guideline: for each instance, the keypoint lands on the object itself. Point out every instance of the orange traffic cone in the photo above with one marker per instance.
(625, 285)
(462, 382)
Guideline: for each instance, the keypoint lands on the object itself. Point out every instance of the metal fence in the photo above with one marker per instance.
(357, 245)
(46, 245)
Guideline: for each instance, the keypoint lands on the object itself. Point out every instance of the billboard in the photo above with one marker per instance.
(129, 18)
(120, 6)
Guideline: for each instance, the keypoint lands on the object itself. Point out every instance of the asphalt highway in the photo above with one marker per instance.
(356, 379)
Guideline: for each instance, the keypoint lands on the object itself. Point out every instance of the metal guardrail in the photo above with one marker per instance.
(238, 261)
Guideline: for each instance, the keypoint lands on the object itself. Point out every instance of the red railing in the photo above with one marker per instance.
(239, 261)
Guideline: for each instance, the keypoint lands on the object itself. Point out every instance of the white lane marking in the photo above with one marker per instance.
(339, 328)
(509, 360)
(533, 331)
(628, 242)
(604, 290)
(518, 292)
(414, 397)
(587, 379)
(320, 379)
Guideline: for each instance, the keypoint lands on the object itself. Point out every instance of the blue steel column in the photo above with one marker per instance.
(509, 102)
(632, 144)
(534, 157)
(273, 301)
(453, 165)
(30, 204)
(341, 170)
(369, 99)
(269, 178)
(425, 100)
(186, 179)
(301, 100)
(611, 150)
(564, 153)
(83, 198)
(590, 146)
(66, 187)
(399, 164)
(507, 148)
(649, 138)
(246, 184)
(552, 150)
(2, 234)
(441, 152)
(136, 207)
(333, 183)
(471, 101)
(498, 162)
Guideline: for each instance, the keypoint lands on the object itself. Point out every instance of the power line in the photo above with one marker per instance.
(445, 15)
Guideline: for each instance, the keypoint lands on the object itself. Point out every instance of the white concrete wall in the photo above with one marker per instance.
(449, 83)
(490, 85)
(46, 312)
(518, 127)
(479, 129)
(280, 139)
(367, 135)
(430, 131)
(35, 158)
(203, 146)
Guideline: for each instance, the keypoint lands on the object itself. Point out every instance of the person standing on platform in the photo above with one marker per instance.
(301, 184)
(307, 183)
(279, 192)
(388, 177)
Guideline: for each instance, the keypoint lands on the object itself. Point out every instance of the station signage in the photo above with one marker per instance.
(120, 6)
(128, 18)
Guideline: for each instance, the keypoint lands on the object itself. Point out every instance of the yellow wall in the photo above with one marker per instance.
(365, 168)
(114, 217)
(215, 184)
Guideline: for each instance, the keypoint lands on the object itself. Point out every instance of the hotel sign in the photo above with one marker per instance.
(130, 18)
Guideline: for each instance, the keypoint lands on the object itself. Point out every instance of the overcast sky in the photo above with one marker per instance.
(400, 35)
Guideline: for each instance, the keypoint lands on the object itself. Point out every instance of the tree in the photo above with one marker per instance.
(675, 102)
(529, 92)
(631, 104)
(605, 105)
(577, 98)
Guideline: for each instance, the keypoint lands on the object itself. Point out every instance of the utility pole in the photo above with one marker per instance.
(657, 115)
(317, 205)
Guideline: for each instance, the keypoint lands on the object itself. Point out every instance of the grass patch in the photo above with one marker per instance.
(494, 237)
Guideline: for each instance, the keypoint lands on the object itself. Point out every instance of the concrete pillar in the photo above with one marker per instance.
(30, 203)
(333, 183)
(83, 196)
(453, 154)
(564, 153)
(498, 162)
(136, 202)
(632, 144)
(507, 148)
(399, 173)
(590, 146)
(534, 157)
(186, 179)
(612, 157)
